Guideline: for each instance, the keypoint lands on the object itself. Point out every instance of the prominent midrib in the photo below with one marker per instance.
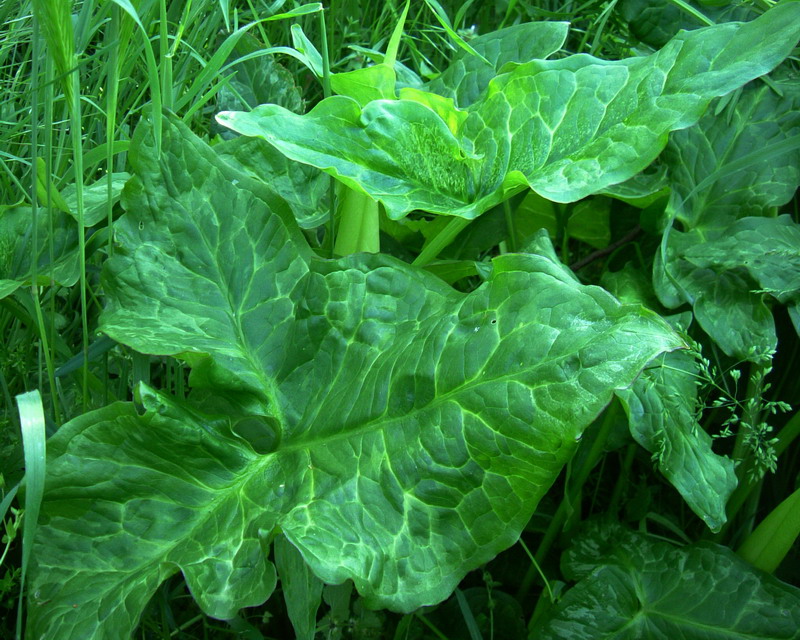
(383, 422)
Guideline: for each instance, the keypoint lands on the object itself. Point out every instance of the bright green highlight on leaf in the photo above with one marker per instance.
(565, 128)
(398, 432)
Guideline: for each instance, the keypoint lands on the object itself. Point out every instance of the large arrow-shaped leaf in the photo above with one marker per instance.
(727, 172)
(566, 128)
(633, 586)
(662, 414)
(17, 248)
(399, 432)
(467, 76)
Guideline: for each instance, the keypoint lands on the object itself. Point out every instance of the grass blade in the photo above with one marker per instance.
(31, 415)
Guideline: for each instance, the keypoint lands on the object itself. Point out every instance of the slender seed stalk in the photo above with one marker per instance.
(326, 93)
(40, 322)
(569, 503)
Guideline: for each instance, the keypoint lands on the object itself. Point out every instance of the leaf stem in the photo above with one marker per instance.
(359, 227)
(569, 502)
(441, 241)
(512, 232)
(326, 93)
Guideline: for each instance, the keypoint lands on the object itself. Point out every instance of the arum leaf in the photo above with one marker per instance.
(378, 81)
(726, 274)
(365, 85)
(654, 22)
(565, 128)
(725, 167)
(400, 433)
(726, 172)
(95, 198)
(662, 414)
(625, 591)
(16, 248)
(304, 188)
(662, 408)
(302, 590)
(166, 521)
(588, 220)
(257, 80)
(468, 75)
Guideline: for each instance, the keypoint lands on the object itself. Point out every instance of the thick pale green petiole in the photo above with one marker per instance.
(358, 223)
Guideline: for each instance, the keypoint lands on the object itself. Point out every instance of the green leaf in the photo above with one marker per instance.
(656, 21)
(737, 163)
(661, 408)
(308, 52)
(257, 79)
(726, 172)
(16, 248)
(400, 433)
(302, 590)
(633, 586)
(32, 426)
(376, 82)
(365, 85)
(565, 128)
(643, 189)
(662, 415)
(768, 545)
(95, 198)
(170, 498)
(726, 274)
(467, 76)
(441, 16)
(304, 188)
(589, 220)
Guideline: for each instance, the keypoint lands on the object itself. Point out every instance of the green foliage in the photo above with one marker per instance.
(452, 416)
(564, 128)
(623, 591)
(728, 174)
(59, 261)
(301, 382)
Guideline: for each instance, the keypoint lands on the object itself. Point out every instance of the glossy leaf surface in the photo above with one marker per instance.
(400, 433)
(304, 188)
(728, 174)
(565, 128)
(468, 75)
(625, 590)
(662, 412)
